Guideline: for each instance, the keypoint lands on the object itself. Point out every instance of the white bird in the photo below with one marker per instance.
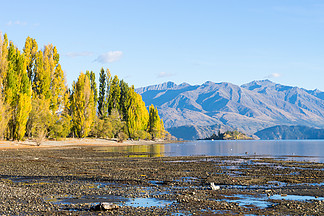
(214, 187)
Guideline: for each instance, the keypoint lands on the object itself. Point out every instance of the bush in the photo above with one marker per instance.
(122, 136)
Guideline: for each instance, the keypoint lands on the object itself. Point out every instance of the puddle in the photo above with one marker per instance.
(94, 200)
(67, 200)
(277, 184)
(235, 161)
(262, 201)
(157, 183)
(314, 184)
(296, 197)
(147, 202)
(247, 200)
(272, 184)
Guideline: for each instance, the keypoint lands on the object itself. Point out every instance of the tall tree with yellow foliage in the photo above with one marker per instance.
(49, 89)
(3, 72)
(155, 125)
(137, 115)
(30, 50)
(3, 59)
(82, 106)
(17, 88)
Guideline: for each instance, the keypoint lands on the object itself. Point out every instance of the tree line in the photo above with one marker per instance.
(36, 103)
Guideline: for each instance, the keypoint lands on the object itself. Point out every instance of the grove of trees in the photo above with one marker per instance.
(35, 102)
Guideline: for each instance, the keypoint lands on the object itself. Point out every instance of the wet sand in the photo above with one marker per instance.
(69, 181)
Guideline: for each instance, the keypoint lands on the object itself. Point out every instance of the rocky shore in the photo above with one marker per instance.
(72, 181)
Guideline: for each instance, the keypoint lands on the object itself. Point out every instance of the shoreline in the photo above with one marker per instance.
(75, 142)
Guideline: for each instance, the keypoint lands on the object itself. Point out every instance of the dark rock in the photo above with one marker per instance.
(104, 207)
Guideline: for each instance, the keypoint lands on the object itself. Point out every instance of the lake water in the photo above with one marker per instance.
(310, 150)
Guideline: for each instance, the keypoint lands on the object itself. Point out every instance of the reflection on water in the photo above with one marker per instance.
(247, 200)
(147, 202)
(311, 150)
(296, 197)
(156, 150)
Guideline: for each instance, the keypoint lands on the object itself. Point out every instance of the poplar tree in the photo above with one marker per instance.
(108, 89)
(3, 71)
(42, 79)
(82, 106)
(17, 89)
(114, 95)
(30, 50)
(137, 115)
(49, 90)
(93, 84)
(34, 96)
(58, 86)
(104, 89)
(102, 92)
(3, 59)
(155, 125)
(125, 99)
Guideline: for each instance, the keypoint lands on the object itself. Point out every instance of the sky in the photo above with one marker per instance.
(194, 41)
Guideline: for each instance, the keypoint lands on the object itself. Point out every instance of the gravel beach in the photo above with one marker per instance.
(71, 180)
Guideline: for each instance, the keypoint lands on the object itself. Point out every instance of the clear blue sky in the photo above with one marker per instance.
(154, 41)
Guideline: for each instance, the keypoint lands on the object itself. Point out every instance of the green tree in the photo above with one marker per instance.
(125, 99)
(114, 95)
(101, 128)
(104, 89)
(82, 106)
(102, 92)
(61, 126)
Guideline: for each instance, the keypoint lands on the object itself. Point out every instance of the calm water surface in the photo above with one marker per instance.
(310, 150)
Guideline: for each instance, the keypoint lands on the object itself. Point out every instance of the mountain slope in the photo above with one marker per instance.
(249, 108)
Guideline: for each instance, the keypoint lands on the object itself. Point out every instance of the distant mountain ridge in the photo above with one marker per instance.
(249, 108)
(290, 132)
(192, 132)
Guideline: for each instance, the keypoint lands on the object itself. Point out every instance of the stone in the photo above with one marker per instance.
(104, 206)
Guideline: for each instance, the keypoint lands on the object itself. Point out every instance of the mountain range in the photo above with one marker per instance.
(248, 108)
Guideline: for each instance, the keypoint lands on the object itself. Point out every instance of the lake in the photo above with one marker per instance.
(310, 150)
